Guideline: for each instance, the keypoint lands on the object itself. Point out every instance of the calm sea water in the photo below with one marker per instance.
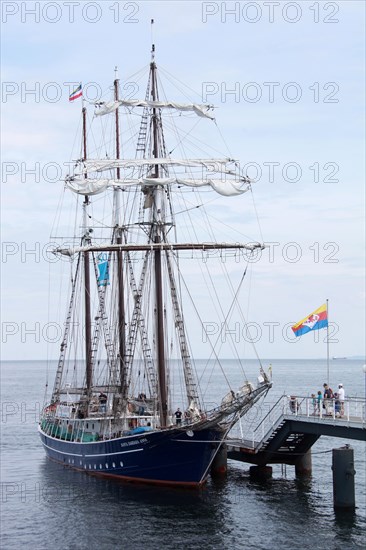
(45, 505)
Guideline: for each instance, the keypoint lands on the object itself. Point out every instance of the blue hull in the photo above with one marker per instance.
(166, 457)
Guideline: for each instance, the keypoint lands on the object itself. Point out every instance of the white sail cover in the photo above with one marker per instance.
(84, 186)
(111, 106)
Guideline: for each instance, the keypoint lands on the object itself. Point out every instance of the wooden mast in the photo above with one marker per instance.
(88, 335)
(116, 97)
(121, 302)
(157, 260)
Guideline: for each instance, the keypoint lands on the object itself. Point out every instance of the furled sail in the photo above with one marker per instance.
(83, 186)
(104, 108)
(212, 165)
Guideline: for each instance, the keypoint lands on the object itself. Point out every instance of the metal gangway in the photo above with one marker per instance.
(292, 425)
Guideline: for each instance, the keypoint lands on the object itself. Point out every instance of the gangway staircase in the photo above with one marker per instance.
(291, 428)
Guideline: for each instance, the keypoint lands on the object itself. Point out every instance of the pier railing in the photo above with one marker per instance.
(270, 422)
(351, 411)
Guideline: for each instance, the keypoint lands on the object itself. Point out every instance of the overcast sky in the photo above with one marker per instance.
(288, 82)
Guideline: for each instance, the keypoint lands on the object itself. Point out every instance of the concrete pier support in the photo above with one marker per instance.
(219, 464)
(303, 465)
(261, 472)
(343, 478)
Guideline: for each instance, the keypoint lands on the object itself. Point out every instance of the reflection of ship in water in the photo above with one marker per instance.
(334, 358)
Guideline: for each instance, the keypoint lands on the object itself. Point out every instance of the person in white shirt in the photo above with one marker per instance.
(341, 397)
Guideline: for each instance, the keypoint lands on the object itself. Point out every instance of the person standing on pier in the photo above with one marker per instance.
(341, 396)
(319, 401)
(328, 396)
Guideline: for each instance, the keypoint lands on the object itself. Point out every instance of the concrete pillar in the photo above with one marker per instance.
(343, 478)
(219, 463)
(261, 472)
(303, 465)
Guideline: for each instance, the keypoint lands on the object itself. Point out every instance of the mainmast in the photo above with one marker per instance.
(158, 221)
(86, 240)
(121, 302)
(116, 97)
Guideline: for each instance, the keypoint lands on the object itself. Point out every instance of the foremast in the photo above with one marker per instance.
(157, 237)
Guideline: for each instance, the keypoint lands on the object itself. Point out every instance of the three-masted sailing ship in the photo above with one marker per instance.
(112, 408)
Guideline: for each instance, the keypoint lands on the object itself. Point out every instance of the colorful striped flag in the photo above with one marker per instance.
(76, 93)
(315, 321)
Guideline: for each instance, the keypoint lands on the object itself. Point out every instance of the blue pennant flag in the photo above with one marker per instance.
(103, 278)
